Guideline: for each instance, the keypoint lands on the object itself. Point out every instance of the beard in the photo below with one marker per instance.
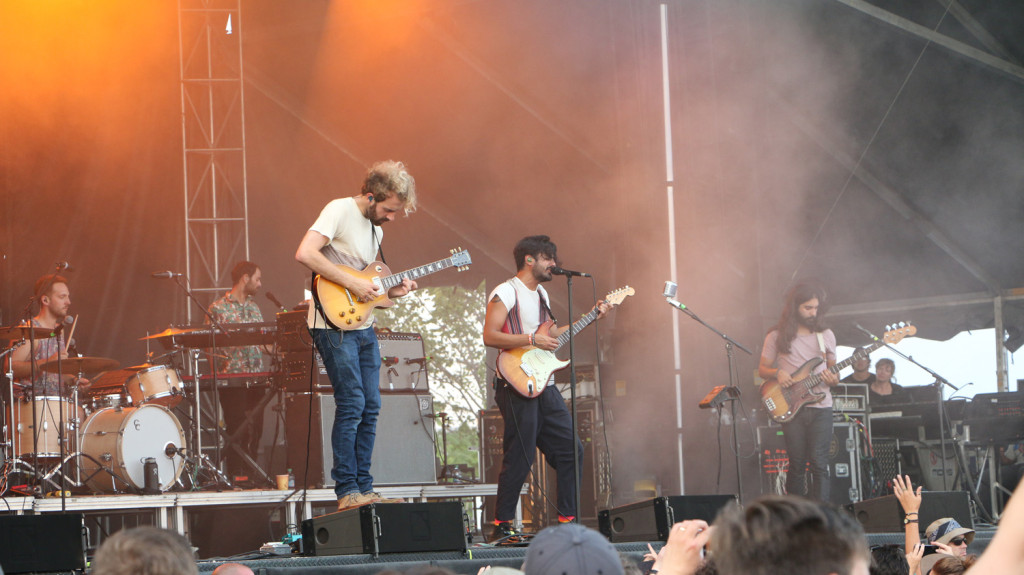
(809, 322)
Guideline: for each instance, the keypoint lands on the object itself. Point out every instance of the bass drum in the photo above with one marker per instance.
(122, 440)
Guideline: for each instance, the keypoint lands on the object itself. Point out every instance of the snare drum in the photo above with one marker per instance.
(48, 413)
(98, 402)
(158, 385)
(122, 440)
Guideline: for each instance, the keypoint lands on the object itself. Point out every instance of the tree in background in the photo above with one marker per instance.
(451, 321)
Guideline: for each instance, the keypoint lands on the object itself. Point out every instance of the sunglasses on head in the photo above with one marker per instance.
(957, 541)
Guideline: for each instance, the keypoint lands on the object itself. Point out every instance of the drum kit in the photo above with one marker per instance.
(120, 431)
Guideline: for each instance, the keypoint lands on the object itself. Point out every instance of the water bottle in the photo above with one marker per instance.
(151, 477)
(291, 479)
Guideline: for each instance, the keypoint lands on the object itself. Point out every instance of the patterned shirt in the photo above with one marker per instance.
(47, 383)
(246, 359)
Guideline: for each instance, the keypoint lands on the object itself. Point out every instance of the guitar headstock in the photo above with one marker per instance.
(616, 297)
(896, 332)
(460, 259)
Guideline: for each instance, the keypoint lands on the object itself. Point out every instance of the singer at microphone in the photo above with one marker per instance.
(519, 321)
(52, 295)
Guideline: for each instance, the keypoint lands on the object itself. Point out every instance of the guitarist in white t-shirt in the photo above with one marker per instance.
(515, 309)
(348, 232)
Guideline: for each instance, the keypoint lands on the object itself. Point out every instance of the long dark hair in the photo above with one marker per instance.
(789, 321)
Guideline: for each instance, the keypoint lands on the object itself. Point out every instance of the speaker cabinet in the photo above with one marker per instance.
(885, 515)
(42, 543)
(843, 462)
(403, 452)
(387, 528)
(651, 520)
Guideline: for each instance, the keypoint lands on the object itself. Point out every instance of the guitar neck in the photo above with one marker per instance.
(576, 327)
(816, 378)
(396, 279)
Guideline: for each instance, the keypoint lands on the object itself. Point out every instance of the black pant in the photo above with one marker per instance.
(542, 422)
(808, 436)
(236, 403)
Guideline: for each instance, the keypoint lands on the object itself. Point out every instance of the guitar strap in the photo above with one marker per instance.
(380, 250)
(821, 344)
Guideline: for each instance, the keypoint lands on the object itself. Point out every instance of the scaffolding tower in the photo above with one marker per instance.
(213, 144)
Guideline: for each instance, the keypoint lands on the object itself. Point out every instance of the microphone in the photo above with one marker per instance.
(670, 289)
(421, 361)
(275, 301)
(165, 275)
(869, 334)
(68, 320)
(65, 266)
(564, 272)
(388, 360)
(675, 304)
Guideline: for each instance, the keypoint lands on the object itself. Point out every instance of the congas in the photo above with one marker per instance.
(158, 385)
(42, 436)
(122, 439)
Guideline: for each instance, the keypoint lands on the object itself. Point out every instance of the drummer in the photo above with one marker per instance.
(53, 298)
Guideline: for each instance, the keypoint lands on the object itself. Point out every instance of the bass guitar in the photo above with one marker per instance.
(343, 311)
(783, 403)
(527, 369)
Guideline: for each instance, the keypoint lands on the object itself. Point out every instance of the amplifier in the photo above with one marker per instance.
(651, 520)
(850, 398)
(387, 528)
(42, 543)
(403, 361)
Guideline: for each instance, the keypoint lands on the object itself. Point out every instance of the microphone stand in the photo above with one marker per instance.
(730, 343)
(572, 401)
(937, 386)
(215, 327)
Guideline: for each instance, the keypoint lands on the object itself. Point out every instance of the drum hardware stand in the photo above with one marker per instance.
(216, 325)
(197, 427)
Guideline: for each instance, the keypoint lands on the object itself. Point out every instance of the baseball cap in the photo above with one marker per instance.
(571, 549)
(946, 529)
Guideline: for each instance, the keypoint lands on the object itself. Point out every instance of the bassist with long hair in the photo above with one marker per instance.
(800, 336)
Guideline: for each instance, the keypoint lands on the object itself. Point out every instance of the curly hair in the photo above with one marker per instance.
(388, 178)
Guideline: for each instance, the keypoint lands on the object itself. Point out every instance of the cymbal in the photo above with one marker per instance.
(81, 365)
(169, 332)
(23, 332)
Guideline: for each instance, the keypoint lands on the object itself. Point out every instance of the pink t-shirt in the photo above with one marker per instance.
(802, 349)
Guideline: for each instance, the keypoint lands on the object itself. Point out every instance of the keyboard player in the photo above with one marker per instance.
(239, 306)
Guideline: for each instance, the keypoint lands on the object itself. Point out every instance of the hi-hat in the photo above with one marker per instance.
(81, 365)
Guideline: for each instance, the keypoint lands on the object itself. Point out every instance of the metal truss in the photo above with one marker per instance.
(213, 143)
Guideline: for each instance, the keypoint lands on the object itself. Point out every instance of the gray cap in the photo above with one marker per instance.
(571, 549)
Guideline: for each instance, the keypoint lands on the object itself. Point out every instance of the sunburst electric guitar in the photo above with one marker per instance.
(783, 403)
(343, 311)
(527, 369)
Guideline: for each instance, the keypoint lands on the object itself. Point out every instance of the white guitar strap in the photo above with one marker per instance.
(821, 344)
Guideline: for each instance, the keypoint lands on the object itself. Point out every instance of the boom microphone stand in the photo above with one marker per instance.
(730, 343)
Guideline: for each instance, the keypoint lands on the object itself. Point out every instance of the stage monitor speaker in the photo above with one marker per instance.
(885, 515)
(403, 452)
(651, 520)
(387, 528)
(42, 543)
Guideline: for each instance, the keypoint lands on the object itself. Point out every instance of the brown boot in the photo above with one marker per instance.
(353, 500)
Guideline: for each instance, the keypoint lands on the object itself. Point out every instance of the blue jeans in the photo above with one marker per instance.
(352, 360)
(808, 437)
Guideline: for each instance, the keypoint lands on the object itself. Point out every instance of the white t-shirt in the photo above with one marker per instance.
(529, 304)
(351, 243)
